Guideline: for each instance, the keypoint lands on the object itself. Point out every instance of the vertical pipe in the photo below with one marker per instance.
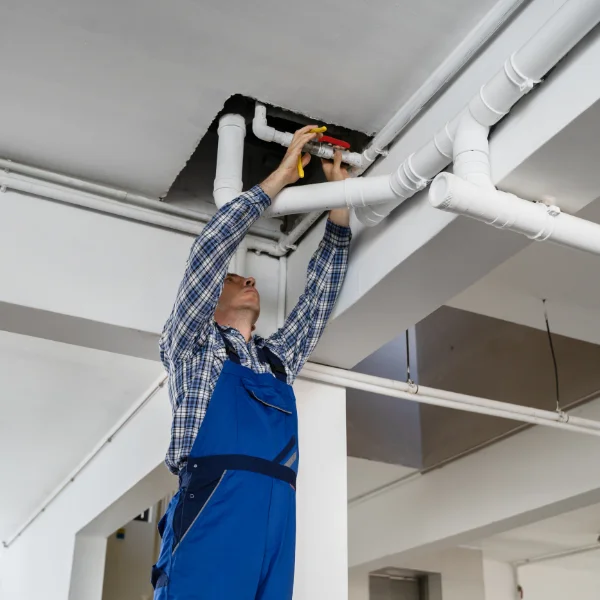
(230, 159)
(240, 259)
(282, 291)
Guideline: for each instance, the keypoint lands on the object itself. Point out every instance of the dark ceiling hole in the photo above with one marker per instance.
(260, 158)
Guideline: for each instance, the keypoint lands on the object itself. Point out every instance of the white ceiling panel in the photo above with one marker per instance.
(122, 91)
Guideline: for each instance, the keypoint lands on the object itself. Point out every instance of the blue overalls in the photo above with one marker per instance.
(230, 531)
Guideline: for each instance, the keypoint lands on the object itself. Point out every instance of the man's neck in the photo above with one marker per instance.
(242, 321)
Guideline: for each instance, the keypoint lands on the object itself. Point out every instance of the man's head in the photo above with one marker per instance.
(239, 301)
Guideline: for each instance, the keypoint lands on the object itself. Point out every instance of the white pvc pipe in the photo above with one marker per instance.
(521, 71)
(557, 555)
(33, 173)
(134, 410)
(288, 241)
(455, 61)
(263, 131)
(281, 293)
(349, 193)
(140, 214)
(155, 204)
(368, 383)
(503, 414)
(507, 211)
(416, 392)
(238, 262)
(80, 184)
(230, 159)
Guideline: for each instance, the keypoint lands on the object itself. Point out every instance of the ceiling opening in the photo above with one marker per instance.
(194, 183)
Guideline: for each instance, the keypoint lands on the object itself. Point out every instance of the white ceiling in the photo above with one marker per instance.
(570, 530)
(122, 91)
(364, 476)
(56, 403)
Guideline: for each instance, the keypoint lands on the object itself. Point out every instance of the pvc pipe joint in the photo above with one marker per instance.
(500, 209)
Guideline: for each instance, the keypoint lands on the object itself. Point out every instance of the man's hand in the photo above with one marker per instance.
(335, 172)
(287, 172)
(333, 168)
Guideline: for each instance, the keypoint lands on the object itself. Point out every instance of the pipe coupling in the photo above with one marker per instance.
(406, 182)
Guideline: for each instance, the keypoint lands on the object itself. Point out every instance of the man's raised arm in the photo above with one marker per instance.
(212, 250)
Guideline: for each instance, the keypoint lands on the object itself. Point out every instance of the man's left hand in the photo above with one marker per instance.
(334, 171)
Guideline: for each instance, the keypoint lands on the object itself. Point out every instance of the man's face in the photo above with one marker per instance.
(239, 293)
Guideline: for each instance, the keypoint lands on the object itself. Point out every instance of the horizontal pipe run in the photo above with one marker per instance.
(454, 63)
(519, 74)
(368, 383)
(557, 555)
(349, 193)
(265, 132)
(75, 183)
(507, 211)
(399, 389)
(9, 167)
(140, 214)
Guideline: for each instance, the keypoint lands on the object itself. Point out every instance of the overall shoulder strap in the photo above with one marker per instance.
(231, 353)
(268, 356)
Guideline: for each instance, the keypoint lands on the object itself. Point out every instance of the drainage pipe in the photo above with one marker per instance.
(281, 292)
(536, 220)
(455, 61)
(519, 74)
(8, 166)
(348, 193)
(230, 159)
(265, 132)
(425, 395)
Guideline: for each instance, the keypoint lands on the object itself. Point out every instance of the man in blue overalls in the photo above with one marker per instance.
(229, 532)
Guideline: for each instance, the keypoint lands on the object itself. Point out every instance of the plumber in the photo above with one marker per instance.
(229, 532)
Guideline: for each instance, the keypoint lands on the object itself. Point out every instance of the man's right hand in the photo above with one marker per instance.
(287, 172)
(333, 168)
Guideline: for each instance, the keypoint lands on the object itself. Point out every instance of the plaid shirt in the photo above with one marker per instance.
(191, 346)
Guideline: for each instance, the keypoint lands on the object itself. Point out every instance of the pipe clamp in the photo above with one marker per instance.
(522, 81)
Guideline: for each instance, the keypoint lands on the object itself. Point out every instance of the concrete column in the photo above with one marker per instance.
(322, 538)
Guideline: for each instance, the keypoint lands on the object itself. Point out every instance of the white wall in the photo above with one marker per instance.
(127, 560)
(500, 583)
(358, 584)
(552, 582)
(89, 558)
(461, 570)
(97, 267)
(94, 500)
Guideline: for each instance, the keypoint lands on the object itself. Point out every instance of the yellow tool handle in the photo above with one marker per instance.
(300, 167)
